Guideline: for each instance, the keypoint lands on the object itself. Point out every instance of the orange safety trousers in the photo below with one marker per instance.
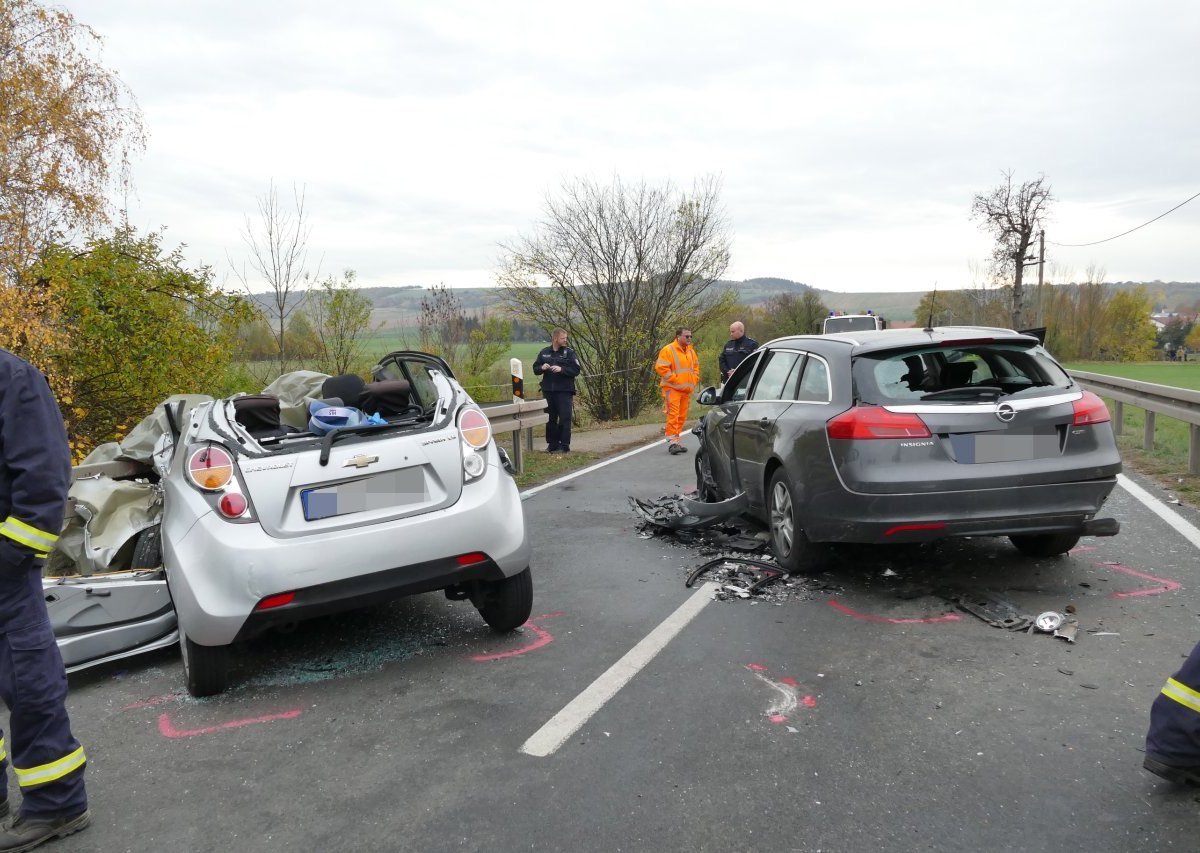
(675, 404)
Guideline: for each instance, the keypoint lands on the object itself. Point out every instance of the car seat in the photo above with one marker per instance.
(259, 414)
(388, 398)
(345, 388)
(956, 374)
(915, 378)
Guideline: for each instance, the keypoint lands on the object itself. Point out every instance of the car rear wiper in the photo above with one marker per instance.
(968, 392)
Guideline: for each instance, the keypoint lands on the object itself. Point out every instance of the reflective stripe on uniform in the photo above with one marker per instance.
(1182, 694)
(3, 751)
(39, 540)
(52, 771)
(679, 368)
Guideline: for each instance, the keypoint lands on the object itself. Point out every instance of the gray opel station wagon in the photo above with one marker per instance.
(909, 435)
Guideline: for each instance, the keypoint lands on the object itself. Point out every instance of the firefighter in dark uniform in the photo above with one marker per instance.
(35, 473)
(736, 349)
(1173, 742)
(558, 366)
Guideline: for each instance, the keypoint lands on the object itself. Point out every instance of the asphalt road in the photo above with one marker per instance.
(858, 711)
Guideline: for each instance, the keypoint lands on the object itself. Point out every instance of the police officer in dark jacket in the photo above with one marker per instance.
(35, 473)
(558, 366)
(736, 348)
(1173, 742)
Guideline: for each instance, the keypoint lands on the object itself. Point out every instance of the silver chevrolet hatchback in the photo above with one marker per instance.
(909, 435)
(265, 524)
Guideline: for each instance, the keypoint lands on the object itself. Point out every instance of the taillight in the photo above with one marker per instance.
(475, 428)
(272, 601)
(232, 505)
(210, 467)
(863, 422)
(1090, 409)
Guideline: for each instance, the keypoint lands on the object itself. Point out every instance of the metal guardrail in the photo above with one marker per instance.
(1181, 404)
(516, 418)
(505, 417)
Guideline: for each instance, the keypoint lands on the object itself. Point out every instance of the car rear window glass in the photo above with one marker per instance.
(814, 382)
(964, 372)
(777, 378)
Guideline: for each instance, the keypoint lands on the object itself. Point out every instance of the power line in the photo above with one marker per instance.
(1130, 231)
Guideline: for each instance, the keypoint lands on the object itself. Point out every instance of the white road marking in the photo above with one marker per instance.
(528, 493)
(546, 740)
(1185, 528)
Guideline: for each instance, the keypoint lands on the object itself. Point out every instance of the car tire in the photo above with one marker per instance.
(147, 550)
(792, 548)
(205, 668)
(704, 492)
(1045, 544)
(506, 604)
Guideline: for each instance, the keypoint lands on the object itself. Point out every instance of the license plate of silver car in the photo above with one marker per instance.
(382, 491)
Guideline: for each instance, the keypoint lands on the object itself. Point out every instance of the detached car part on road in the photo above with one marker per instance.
(909, 435)
(264, 524)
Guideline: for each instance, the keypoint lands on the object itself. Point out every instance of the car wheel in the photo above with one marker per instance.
(147, 550)
(792, 548)
(506, 604)
(1045, 544)
(704, 489)
(205, 668)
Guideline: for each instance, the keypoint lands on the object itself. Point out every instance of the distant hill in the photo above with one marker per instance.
(397, 307)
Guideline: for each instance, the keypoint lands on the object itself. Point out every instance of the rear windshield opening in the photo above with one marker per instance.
(970, 372)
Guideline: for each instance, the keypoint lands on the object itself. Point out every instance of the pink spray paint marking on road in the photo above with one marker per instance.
(167, 729)
(543, 638)
(788, 690)
(1167, 586)
(928, 620)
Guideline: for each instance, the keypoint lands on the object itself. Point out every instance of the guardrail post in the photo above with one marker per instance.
(1118, 417)
(1148, 433)
(1193, 449)
(518, 456)
(529, 439)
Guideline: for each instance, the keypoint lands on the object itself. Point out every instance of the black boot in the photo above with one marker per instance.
(28, 832)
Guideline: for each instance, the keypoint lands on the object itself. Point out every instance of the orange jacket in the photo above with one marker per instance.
(679, 368)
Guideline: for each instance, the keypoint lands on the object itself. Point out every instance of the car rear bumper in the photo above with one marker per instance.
(219, 572)
(1057, 508)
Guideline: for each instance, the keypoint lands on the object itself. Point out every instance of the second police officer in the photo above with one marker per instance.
(558, 366)
(736, 349)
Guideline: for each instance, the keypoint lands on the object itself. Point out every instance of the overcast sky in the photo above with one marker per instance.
(850, 138)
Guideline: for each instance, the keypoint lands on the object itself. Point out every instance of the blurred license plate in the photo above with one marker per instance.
(383, 491)
(1003, 447)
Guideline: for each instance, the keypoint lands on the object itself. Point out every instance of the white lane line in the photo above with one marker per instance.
(546, 740)
(528, 493)
(1185, 528)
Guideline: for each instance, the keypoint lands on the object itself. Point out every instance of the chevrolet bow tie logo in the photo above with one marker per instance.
(360, 461)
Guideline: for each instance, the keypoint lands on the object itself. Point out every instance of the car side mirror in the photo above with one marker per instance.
(708, 396)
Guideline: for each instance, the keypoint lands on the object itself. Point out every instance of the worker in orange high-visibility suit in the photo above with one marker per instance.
(679, 370)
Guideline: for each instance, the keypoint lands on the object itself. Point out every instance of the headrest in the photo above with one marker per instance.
(346, 387)
(325, 418)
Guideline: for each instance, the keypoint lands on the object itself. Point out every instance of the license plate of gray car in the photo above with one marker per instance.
(976, 448)
(382, 491)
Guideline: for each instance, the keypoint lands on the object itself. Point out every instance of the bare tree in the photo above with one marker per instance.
(341, 317)
(278, 253)
(619, 267)
(1013, 215)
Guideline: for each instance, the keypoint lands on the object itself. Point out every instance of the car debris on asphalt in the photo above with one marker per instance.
(740, 560)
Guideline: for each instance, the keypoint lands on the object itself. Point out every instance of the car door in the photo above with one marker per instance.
(754, 430)
(719, 424)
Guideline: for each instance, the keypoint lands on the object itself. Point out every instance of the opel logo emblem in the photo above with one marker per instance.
(360, 461)
(1005, 412)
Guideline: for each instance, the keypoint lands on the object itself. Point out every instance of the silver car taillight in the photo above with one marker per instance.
(476, 432)
(211, 469)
